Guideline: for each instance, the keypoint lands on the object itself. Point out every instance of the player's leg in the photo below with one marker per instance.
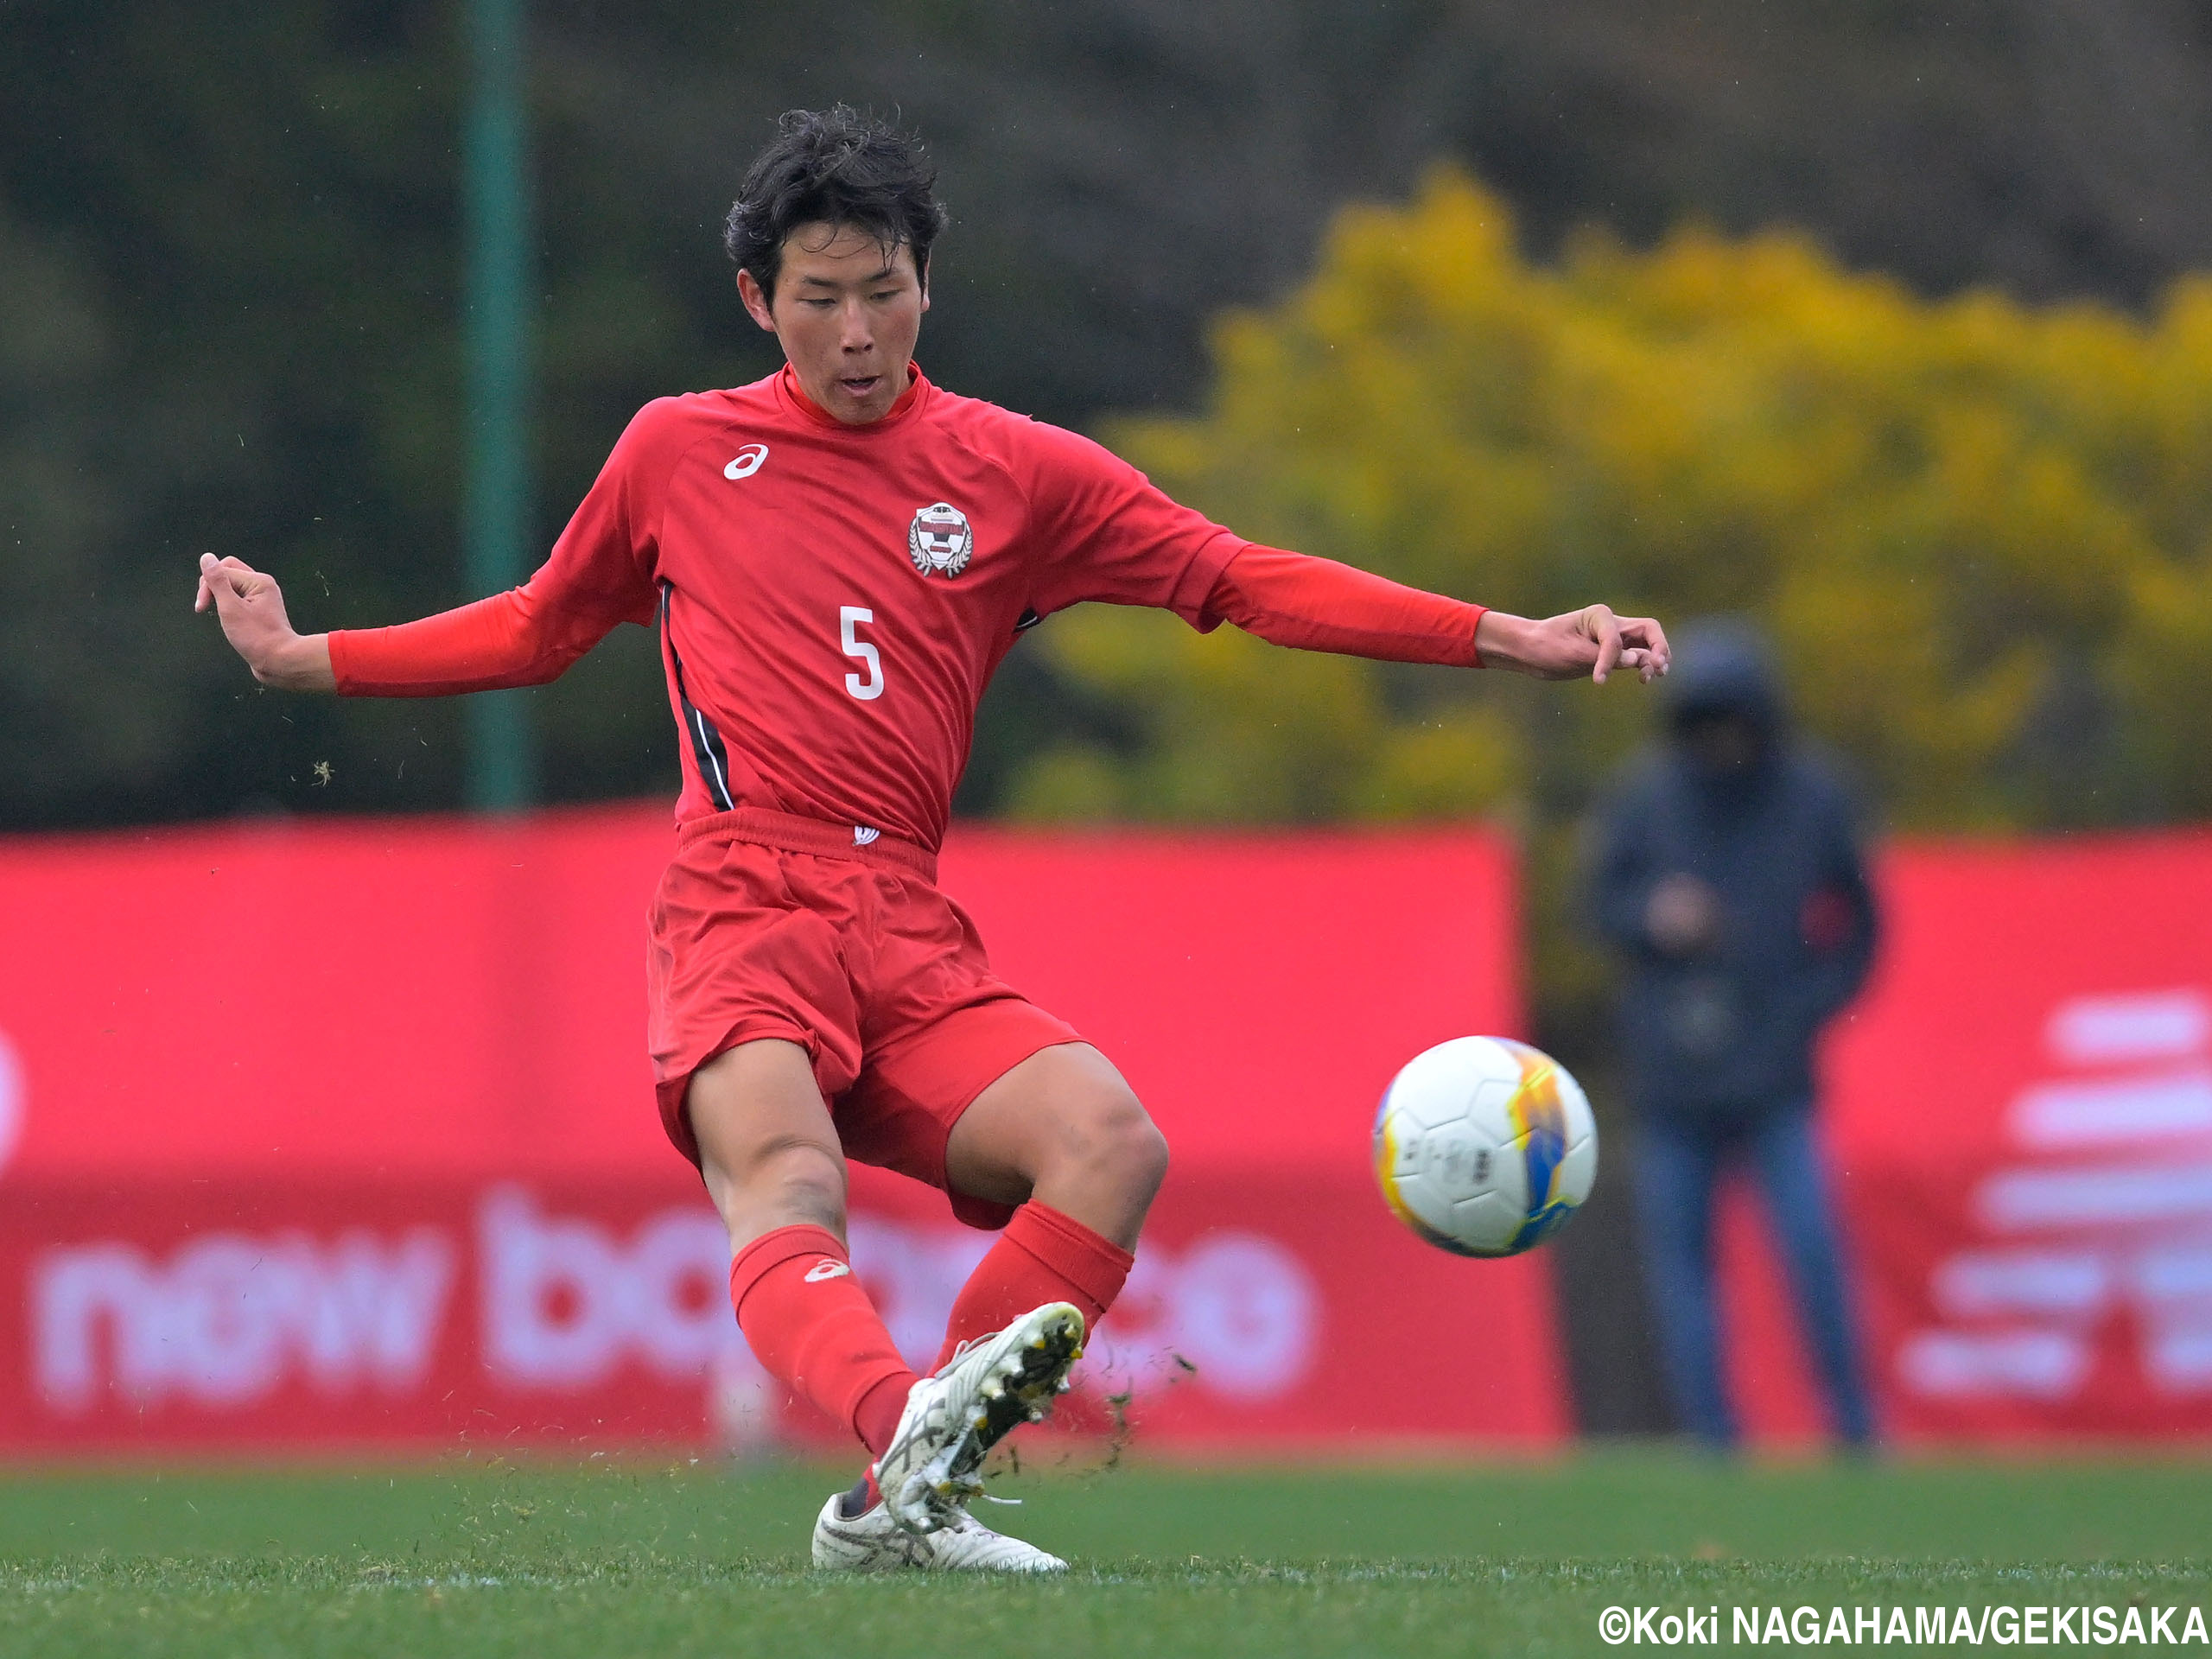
(1062, 1128)
(775, 1169)
(1058, 1136)
(1677, 1164)
(1061, 1136)
(1786, 1155)
(1010, 1363)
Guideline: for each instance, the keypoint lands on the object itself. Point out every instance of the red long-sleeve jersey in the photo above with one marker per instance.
(832, 600)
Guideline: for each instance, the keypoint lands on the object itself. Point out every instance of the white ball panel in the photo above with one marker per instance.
(1486, 1224)
(1426, 1202)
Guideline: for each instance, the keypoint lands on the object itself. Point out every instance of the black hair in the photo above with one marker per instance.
(834, 167)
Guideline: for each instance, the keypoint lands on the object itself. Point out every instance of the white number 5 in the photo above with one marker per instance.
(849, 616)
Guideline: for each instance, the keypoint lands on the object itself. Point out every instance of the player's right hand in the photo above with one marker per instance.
(250, 607)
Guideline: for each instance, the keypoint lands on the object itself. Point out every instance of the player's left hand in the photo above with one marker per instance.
(1591, 641)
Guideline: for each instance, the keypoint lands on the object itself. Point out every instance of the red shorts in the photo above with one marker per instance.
(771, 925)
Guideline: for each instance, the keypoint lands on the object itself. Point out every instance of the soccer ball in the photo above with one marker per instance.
(1484, 1146)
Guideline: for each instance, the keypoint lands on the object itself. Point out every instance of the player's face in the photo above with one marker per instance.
(847, 316)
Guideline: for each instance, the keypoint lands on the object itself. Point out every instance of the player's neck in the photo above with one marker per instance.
(813, 411)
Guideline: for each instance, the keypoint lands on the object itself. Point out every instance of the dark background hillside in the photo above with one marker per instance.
(228, 243)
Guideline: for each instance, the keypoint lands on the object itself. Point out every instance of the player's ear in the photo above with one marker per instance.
(756, 300)
(922, 274)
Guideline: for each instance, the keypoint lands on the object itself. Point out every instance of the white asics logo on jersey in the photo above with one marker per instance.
(826, 1268)
(748, 462)
(862, 835)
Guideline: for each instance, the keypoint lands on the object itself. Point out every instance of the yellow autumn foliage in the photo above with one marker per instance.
(1980, 532)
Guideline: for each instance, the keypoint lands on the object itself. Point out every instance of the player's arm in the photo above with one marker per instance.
(1113, 536)
(1315, 604)
(602, 571)
(514, 639)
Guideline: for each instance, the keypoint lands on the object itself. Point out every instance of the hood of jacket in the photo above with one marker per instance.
(1723, 667)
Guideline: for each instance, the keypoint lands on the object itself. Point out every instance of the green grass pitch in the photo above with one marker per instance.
(549, 1559)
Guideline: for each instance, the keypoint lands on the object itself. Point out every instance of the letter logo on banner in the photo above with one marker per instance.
(1239, 1306)
(565, 1303)
(913, 1274)
(71, 1293)
(229, 1317)
(2107, 1203)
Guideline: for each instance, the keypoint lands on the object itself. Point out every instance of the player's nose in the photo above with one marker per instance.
(855, 334)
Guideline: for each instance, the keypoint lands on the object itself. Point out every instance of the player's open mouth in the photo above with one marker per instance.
(860, 384)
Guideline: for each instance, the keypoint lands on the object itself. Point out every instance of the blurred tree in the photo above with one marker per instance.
(1982, 534)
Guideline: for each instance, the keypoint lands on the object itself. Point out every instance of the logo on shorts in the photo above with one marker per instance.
(862, 835)
(940, 540)
(826, 1268)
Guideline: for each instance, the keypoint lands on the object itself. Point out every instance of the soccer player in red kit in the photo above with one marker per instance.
(836, 558)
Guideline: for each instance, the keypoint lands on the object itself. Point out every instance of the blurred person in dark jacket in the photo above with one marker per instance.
(1728, 872)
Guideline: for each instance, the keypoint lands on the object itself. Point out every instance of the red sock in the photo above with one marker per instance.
(812, 1328)
(1043, 1257)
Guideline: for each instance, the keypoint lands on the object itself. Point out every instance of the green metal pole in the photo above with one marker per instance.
(496, 205)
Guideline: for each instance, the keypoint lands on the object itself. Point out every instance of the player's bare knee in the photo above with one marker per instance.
(1147, 1158)
(803, 1167)
(1116, 1139)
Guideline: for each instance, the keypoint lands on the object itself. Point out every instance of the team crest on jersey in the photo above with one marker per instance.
(940, 540)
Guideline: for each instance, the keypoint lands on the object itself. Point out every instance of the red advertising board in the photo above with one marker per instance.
(341, 1135)
(2019, 1118)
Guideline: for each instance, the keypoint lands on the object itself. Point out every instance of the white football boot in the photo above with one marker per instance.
(987, 1389)
(873, 1543)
